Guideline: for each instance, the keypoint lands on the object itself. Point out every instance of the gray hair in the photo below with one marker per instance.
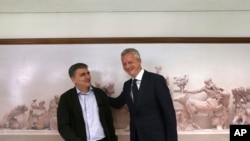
(133, 50)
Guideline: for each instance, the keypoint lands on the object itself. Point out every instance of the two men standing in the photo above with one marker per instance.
(84, 111)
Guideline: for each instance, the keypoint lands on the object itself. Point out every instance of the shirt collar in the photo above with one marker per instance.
(139, 75)
(79, 92)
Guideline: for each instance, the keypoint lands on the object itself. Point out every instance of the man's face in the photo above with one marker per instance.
(82, 78)
(131, 64)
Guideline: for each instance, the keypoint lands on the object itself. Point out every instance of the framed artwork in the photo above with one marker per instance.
(35, 71)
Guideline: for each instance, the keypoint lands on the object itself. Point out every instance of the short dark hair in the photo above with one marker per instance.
(76, 66)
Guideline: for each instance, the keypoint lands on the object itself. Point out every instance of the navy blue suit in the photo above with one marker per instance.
(152, 116)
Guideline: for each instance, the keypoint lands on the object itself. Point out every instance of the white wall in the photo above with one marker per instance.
(125, 24)
(72, 6)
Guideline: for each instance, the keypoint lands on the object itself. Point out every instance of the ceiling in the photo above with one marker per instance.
(68, 6)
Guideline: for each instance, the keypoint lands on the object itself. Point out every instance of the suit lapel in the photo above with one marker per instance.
(128, 90)
(76, 101)
(143, 87)
(98, 98)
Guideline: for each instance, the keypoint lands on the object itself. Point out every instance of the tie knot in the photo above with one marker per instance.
(134, 81)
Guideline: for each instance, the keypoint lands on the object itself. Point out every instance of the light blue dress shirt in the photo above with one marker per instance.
(90, 110)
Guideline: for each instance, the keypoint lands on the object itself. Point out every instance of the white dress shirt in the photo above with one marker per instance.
(138, 82)
(90, 110)
(139, 78)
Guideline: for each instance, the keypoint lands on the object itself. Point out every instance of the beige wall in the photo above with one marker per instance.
(125, 24)
(71, 6)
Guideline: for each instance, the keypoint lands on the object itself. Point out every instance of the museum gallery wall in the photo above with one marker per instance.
(209, 83)
(65, 6)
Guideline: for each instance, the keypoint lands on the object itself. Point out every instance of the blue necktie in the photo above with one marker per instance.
(134, 89)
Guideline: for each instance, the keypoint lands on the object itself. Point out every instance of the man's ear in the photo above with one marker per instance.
(72, 79)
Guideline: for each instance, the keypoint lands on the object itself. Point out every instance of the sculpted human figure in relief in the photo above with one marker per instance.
(38, 116)
(216, 101)
(10, 120)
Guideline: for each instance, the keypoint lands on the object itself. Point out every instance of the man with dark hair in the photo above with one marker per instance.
(84, 112)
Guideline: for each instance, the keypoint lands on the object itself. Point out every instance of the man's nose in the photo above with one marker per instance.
(88, 75)
(126, 66)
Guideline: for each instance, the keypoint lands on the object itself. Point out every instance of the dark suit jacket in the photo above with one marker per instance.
(152, 116)
(71, 124)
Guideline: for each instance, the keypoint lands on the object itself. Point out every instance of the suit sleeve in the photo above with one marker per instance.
(63, 119)
(165, 101)
(119, 101)
(110, 123)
